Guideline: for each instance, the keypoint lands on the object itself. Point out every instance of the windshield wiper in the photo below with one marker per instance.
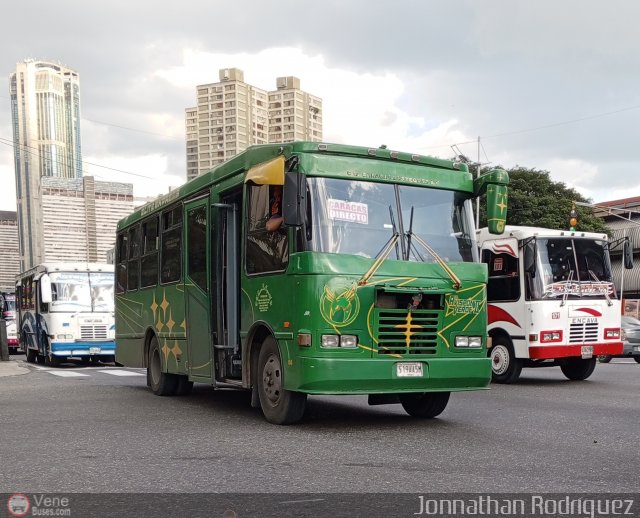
(384, 252)
(605, 292)
(454, 278)
(565, 294)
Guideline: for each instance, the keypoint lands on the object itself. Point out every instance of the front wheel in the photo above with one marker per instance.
(161, 383)
(637, 359)
(505, 367)
(32, 355)
(578, 369)
(425, 405)
(279, 405)
(604, 358)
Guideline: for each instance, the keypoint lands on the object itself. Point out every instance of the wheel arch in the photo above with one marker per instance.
(257, 334)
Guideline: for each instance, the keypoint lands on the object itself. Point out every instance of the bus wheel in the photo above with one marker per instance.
(51, 359)
(425, 405)
(279, 406)
(505, 367)
(161, 383)
(32, 355)
(605, 358)
(578, 369)
(637, 359)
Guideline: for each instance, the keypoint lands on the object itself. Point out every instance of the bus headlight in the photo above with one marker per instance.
(473, 342)
(343, 341)
(64, 337)
(330, 341)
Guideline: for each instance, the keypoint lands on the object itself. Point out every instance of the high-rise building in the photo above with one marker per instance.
(45, 108)
(80, 217)
(9, 253)
(232, 115)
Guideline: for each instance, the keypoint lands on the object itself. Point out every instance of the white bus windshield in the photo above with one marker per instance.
(357, 217)
(573, 268)
(81, 292)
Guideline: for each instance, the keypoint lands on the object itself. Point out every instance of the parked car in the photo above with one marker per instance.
(630, 339)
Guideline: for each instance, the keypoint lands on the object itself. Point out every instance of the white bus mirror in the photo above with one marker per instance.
(45, 289)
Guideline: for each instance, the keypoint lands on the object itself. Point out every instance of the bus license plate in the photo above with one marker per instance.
(94, 350)
(409, 370)
(587, 352)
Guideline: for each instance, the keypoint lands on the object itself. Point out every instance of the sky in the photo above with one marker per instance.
(548, 85)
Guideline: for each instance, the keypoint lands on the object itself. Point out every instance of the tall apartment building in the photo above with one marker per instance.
(80, 217)
(9, 250)
(45, 109)
(232, 115)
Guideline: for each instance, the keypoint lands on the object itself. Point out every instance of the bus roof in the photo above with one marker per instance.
(259, 154)
(522, 232)
(67, 267)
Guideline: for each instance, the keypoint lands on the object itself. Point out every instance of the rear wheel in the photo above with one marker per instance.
(279, 406)
(505, 367)
(425, 405)
(161, 383)
(604, 358)
(578, 369)
(32, 355)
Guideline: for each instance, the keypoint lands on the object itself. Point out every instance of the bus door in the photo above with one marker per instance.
(227, 287)
(197, 290)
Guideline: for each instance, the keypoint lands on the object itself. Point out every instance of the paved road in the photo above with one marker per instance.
(100, 429)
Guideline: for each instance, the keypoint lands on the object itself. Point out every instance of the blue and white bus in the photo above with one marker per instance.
(66, 310)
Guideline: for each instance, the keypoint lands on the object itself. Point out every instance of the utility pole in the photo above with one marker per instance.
(478, 198)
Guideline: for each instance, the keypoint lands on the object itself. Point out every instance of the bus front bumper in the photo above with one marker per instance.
(83, 348)
(380, 376)
(549, 352)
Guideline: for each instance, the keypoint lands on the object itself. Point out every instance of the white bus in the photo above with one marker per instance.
(551, 300)
(66, 310)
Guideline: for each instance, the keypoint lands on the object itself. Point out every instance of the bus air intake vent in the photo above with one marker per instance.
(583, 333)
(407, 332)
(93, 332)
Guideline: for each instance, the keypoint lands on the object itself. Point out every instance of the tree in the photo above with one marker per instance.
(536, 200)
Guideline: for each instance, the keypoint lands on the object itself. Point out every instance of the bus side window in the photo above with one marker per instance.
(149, 261)
(122, 251)
(133, 266)
(171, 246)
(266, 251)
(504, 279)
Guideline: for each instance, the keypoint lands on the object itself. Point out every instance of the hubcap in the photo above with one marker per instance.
(499, 359)
(272, 379)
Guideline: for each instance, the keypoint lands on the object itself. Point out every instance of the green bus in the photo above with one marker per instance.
(311, 268)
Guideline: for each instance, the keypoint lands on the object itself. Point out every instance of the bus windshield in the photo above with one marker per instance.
(358, 217)
(572, 268)
(82, 292)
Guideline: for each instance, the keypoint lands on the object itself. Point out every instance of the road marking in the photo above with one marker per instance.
(67, 374)
(120, 372)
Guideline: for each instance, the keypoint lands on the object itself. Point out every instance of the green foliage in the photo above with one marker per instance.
(536, 200)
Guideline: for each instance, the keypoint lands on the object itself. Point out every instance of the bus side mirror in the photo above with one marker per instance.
(494, 183)
(627, 253)
(496, 208)
(294, 199)
(45, 289)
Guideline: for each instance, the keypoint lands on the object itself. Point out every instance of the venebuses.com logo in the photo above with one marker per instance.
(18, 504)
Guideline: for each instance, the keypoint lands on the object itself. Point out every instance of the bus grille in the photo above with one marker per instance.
(583, 333)
(93, 332)
(407, 332)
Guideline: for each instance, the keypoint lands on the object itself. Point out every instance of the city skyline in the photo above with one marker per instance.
(565, 103)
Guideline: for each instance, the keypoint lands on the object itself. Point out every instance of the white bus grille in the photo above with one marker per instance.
(93, 332)
(583, 333)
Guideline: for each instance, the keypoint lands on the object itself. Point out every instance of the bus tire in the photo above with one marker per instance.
(32, 355)
(279, 406)
(577, 369)
(505, 367)
(161, 383)
(637, 359)
(425, 405)
(184, 386)
(604, 358)
(51, 359)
